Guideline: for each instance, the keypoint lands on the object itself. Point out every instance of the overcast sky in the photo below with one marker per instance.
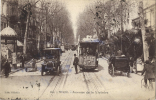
(75, 7)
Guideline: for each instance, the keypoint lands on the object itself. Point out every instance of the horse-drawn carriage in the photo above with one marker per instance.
(119, 64)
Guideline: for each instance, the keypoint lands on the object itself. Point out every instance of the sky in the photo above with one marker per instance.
(75, 7)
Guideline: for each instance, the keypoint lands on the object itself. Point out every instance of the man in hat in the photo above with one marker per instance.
(75, 63)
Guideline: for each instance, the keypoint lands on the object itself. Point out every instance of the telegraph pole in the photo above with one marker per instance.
(145, 45)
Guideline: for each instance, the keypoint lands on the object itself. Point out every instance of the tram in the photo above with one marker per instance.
(88, 53)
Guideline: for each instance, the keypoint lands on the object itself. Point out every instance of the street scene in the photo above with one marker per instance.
(94, 84)
(77, 50)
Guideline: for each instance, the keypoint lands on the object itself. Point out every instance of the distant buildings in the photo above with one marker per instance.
(149, 20)
(133, 20)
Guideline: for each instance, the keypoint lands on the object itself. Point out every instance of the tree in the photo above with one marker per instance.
(86, 23)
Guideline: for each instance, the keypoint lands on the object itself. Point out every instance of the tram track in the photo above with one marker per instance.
(59, 79)
(92, 81)
(95, 84)
(85, 80)
(66, 72)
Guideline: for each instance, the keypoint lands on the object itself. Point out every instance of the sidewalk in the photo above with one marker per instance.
(13, 70)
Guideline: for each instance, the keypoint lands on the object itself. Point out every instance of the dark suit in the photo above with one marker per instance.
(75, 63)
(7, 68)
(22, 60)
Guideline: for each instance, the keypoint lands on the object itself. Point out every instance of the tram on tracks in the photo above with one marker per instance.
(88, 53)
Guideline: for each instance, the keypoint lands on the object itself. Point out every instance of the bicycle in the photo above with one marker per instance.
(149, 85)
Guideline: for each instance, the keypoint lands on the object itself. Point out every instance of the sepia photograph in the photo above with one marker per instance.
(77, 50)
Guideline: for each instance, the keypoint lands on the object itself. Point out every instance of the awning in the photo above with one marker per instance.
(8, 32)
(19, 43)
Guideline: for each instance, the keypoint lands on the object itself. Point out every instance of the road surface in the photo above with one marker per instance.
(93, 84)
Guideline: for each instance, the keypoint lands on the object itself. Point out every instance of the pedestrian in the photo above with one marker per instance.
(149, 72)
(75, 63)
(7, 68)
(119, 53)
(34, 64)
(131, 64)
(88, 51)
(22, 60)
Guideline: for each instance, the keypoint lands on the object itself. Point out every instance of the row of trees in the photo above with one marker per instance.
(105, 18)
(43, 22)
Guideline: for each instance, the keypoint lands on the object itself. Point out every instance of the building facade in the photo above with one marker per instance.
(149, 18)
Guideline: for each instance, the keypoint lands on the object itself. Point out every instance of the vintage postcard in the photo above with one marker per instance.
(78, 50)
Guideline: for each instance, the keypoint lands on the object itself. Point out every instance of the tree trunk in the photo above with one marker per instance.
(38, 45)
(26, 32)
(145, 45)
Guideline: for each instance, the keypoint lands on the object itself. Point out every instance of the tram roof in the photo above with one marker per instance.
(90, 41)
(52, 49)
